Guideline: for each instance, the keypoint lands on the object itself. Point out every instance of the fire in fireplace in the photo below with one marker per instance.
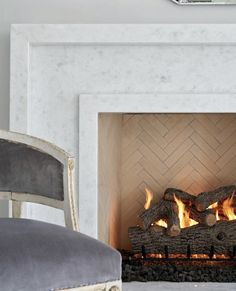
(181, 235)
(184, 237)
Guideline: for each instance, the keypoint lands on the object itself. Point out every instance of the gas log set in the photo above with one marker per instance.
(184, 238)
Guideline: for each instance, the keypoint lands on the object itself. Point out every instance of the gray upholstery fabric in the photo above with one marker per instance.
(27, 170)
(38, 256)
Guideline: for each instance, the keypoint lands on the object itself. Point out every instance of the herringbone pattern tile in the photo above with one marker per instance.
(194, 152)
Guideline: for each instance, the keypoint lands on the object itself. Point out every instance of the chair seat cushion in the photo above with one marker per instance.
(38, 256)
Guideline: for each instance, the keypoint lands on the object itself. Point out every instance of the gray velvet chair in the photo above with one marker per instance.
(38, 256)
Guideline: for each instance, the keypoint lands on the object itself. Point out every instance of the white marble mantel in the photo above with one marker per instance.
(62, 76)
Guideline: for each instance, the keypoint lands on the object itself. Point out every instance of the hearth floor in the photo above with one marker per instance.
(169, 286)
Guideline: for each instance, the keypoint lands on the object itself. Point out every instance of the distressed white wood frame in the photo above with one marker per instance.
(25, 37)
(109, 286)
(68, 205)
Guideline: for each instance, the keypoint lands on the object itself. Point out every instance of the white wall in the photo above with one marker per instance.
(92, 11)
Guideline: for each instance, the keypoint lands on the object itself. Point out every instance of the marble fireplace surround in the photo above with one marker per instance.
(63, 76)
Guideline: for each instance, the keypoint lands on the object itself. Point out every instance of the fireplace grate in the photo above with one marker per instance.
(211, 267)
(231, 256)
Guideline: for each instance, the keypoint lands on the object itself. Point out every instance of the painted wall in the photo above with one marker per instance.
(92, 11)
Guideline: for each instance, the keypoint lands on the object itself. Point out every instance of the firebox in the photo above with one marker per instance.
(195, 234)
(173, 176)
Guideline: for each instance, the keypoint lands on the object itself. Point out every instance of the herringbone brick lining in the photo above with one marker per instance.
(193, 152)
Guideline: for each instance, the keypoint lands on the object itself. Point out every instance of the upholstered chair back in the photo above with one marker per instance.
(34, 170)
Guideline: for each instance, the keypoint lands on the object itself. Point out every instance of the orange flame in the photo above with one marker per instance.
(215, 206)
(228, 208)
(185, 220)
(183, 213)
(161, 222)
(149, 197)
(192, 222)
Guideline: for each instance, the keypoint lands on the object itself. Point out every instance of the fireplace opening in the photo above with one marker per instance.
(185, 232)
(168, 182)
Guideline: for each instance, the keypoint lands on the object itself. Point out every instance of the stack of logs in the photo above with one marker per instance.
(208, 232)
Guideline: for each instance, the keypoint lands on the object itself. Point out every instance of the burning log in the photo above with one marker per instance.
(179, 209)
(200, 238)
(205, 199)
(155, 213)
(173, 223)
(206, 217)
(166, 210)
(185, 197)
(157, 229)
